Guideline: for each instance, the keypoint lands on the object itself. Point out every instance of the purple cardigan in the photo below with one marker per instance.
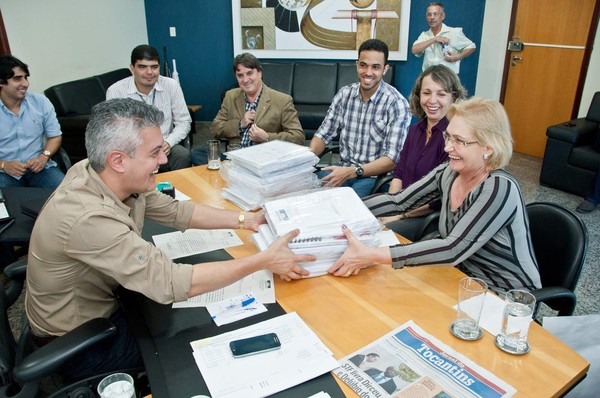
(418, 159)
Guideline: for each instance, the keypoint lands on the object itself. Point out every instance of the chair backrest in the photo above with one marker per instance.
(76, 97)
(560, 243)
(593, 114)
(278, 76)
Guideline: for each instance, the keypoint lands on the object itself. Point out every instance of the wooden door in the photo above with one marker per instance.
(542, 80)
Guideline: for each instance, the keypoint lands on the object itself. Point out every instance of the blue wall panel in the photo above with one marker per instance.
(203, 46)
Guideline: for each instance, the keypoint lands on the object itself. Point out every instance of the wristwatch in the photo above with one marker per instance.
(359, 171)
(47, 153)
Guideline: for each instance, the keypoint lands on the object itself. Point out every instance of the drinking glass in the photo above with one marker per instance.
(117, 385)
(214, 155)
(233, 147)
(516, 318)
(471, 296)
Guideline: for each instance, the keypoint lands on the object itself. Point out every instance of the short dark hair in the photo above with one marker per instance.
(374, 45)
(7, 64)
(144, 52)
(248, 60)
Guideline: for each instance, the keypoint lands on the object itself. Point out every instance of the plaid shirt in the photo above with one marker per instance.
(367, 130)
(245, 132)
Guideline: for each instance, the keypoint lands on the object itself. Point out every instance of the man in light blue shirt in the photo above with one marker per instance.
(29, 131)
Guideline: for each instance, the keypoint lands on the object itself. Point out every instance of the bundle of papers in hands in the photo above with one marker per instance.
(319, 215)
(268, 170)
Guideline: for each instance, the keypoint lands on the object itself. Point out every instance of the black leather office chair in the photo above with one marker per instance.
(560, 243)
(62, 160)
(22, 367)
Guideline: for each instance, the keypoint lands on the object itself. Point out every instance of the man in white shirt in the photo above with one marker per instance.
(442, 44)
(148, 86)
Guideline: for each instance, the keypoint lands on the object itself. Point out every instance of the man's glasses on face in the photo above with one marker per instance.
(434, 14)
(456, 141)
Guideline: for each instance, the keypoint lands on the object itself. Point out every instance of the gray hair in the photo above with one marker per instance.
(115, 125)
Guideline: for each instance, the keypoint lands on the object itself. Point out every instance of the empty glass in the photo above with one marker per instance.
(471, 296)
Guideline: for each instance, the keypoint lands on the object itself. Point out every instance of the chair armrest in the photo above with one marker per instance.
(16, 273)
(380, 181)
(577, 132)
(49, 358)
(558, 298)
(62, 159)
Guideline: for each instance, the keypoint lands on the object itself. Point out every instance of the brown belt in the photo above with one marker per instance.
(42, 341)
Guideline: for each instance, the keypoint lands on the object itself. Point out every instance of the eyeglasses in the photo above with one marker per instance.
(434, 14)
(456, 141)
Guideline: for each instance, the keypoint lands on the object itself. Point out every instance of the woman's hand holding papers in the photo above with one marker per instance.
(283, 262)
(358, 256)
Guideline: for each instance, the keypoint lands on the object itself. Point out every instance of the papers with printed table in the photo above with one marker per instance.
(319, 215)
(413, 363)
(302, 357)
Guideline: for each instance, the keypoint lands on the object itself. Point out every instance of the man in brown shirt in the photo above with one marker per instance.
(87, 238)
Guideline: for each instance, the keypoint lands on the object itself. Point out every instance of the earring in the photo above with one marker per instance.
(486, 156)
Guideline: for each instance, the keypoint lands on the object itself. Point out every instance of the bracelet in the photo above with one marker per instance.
(241, 219)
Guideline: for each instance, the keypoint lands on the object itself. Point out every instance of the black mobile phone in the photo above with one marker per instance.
(254, 345)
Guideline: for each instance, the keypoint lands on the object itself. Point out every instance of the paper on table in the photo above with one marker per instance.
(491, 315)
(235, 308)
(302, 356)
(260, 283)
(194, 241)
(180, 196)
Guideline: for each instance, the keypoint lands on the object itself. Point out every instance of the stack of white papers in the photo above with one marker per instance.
(302, 357)
(319, 216)
(268, 170)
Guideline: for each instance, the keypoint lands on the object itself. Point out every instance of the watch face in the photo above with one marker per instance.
(47, 153)
(359, 171)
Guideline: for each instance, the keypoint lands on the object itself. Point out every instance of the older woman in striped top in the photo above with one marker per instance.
(483, 223)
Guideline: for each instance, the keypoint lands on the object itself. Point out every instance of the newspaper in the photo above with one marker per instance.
(408, 362)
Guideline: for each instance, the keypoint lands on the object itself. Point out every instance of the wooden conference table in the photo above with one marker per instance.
(349, 313)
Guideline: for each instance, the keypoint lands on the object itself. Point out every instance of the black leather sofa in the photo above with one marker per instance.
(572, 155)
(312, 85)
(73, 102)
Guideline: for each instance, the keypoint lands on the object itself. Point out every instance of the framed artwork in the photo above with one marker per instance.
(319, 29)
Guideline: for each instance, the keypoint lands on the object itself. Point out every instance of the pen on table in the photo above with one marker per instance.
(4, 228)
(243, 304)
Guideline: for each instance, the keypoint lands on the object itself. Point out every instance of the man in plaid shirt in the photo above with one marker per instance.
(370, 118)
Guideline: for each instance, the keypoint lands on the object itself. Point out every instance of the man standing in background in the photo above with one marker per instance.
(442, 44)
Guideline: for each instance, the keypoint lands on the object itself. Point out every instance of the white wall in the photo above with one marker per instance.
(496, 22)
(57, 38)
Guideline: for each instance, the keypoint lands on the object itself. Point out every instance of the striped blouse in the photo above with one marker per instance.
(486, 237)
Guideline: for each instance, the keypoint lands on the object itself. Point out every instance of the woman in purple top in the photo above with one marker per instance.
(435, 90)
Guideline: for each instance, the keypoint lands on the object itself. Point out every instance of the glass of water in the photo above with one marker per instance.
(214, 155)
(116, 385)
(518, 313)
(471, 297)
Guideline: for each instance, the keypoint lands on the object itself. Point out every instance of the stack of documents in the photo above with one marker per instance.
(319, 216)
(260, 172)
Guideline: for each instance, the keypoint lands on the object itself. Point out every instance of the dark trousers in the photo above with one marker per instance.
(118, 353)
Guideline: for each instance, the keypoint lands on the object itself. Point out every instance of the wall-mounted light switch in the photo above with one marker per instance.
(172, 31)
